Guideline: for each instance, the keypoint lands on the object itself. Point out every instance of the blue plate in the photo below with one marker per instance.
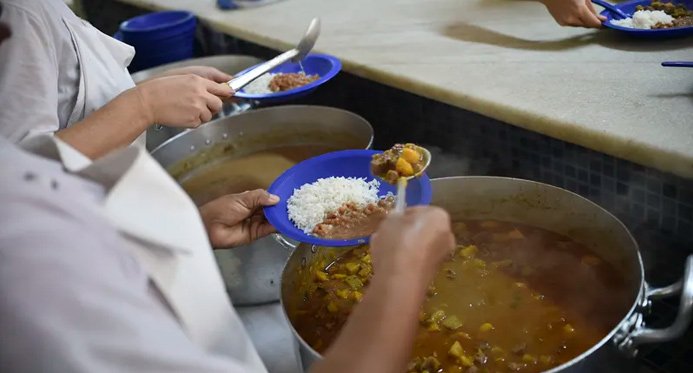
(345, 163)
(324, 65)
(629, 7)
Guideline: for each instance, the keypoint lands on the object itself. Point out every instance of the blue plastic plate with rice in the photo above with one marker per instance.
(629, 7)
(346, 164)
(324, 66)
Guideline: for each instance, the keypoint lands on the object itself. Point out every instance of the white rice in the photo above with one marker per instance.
(644, 19)
(260, 86)
(311, 203)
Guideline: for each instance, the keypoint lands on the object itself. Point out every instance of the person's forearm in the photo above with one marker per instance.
(379, 334)
(115, 125)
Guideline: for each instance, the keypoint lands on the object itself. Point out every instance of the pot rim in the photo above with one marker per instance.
(577, 359)
(274, 108)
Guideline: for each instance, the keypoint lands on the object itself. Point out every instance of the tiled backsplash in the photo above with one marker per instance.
(657, 207)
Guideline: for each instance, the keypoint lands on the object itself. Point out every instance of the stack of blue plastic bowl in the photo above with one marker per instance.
(159, 38)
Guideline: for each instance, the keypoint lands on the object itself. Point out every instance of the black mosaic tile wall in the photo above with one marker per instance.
(657, 207)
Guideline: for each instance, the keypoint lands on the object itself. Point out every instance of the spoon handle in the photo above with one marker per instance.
(241, 81)
(401, 198)
(611, 8)
(677, 63)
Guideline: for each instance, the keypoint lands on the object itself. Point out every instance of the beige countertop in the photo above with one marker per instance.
(505, 59)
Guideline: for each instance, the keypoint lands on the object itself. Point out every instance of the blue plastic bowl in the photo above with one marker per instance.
(345, 163)
(159, 38)
(324, 65)
(157, 25)
(629, 8)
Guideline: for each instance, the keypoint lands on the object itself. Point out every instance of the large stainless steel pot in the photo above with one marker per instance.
(553, 209)
(229, 64)
(252, 272)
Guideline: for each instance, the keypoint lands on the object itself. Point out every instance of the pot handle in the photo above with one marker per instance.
(634, 332)
(284, 242)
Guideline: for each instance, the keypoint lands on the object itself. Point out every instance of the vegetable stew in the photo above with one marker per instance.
(512, 298)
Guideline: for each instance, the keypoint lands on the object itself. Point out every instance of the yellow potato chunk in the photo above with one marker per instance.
(466, 361)
(469, 251)
(404, 168)
(456, 350)
(352, 267)
(410, 155)
(545, 359)
(321, 276)
(568, 329)
(529, 359)
(497, 351)
(486, 327)
(343, 293)
(433, 327)
(478, 263)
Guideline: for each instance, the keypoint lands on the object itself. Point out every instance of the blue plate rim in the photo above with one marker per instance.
(609, 17)
(298, 235)
(336, 67)
(125, 25)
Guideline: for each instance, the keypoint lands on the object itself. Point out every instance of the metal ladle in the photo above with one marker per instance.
(401, 197)
(295, 55)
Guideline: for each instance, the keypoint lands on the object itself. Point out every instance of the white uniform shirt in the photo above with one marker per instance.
(55, 69)
(106, 267)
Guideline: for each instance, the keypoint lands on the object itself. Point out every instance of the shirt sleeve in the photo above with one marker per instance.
(28, 76)
(72, 302)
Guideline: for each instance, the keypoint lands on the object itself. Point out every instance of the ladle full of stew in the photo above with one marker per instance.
(398, 165)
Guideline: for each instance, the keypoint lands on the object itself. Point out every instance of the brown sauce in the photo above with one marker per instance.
(238, 173)
(287, 81)
(512, 298)
(352, 221)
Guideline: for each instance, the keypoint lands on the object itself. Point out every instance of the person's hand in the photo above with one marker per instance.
(415, 242)
(181, 100)
(237, 219)
(580, 13)
(206, 72)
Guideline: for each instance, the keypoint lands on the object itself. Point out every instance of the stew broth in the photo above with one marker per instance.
(236, 174)
(512, 298)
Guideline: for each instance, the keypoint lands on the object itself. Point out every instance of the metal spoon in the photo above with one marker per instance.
(613, 9)
(401, 198)
(295, 55)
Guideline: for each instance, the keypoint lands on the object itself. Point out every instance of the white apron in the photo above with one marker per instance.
(103, 63)
(164, 232)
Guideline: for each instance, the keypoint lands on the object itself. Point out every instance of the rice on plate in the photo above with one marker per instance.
(645, 19)
(333, 199)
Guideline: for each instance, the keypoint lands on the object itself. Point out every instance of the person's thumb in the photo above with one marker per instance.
(257, 198)
(219, 76)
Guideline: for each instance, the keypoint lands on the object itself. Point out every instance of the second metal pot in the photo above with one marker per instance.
(550, 208)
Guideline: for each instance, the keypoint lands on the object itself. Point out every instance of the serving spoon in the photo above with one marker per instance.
(295, 55)
(401, 197)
